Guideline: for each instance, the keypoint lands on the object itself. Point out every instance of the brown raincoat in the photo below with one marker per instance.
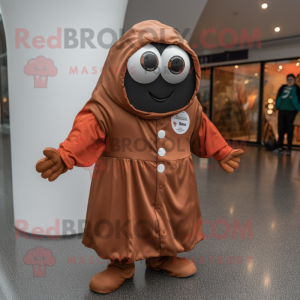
(142, 204)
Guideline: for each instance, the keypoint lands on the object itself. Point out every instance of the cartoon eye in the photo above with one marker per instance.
(176, 64)
(149, 61)
(43, 258)
(144, 65)
(36, 68)
(45, 68)
(35, 258)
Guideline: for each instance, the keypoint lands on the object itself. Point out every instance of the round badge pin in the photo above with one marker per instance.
(180, 122)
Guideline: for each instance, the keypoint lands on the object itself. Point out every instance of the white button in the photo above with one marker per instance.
(161, 168)
(161, 152)
(161, 134)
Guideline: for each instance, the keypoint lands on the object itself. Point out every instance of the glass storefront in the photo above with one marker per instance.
(239, 107)
(235, 101)
(204, 91)
(274, 77)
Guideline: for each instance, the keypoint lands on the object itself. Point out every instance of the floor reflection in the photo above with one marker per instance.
(264, 191)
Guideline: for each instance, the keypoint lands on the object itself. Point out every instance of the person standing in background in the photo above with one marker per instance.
(288, 104)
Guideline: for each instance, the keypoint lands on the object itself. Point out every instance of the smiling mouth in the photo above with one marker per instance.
(160, 99)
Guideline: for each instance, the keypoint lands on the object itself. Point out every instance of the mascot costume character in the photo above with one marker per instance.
(140, 128)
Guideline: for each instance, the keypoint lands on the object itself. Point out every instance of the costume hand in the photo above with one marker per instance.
(231, 161)
(52, 165)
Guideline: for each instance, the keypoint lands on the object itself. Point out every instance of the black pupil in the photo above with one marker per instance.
(150, 61)
(177, 65)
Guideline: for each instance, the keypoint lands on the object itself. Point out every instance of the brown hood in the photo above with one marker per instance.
(114, 69)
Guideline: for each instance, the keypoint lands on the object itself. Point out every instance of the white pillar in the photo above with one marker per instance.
(45, 97)
(180, 14)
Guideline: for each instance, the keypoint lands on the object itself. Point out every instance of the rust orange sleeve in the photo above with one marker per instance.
(211, 141)
(85, 143)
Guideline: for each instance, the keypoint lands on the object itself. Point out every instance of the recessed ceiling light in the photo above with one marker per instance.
(277, 29)
(255, 74)
(280, 67)
(297, 64)
(264, 5)
(236, 66)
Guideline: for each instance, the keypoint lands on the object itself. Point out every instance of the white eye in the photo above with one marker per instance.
(144, 65)
(176, 64)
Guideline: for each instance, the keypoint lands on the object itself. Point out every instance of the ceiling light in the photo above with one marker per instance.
(297, 64)
(270, 100)
(277, 29)
(270, 111)
(255, 74)
(264, 5)
(280, 67)
(236, 66)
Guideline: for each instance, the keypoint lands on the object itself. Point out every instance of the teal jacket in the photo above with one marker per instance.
(295, 96)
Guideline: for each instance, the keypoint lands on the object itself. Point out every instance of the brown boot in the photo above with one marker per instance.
(172, 265)
(110, 279)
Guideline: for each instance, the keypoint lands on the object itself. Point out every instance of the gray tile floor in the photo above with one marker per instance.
(265, 192)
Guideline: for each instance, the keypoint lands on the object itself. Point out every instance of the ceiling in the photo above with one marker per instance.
(238, 14)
